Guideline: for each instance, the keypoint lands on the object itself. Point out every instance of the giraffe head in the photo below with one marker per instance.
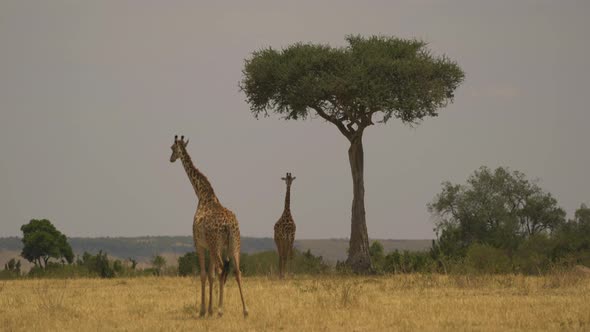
(288, 179)
(176, 147)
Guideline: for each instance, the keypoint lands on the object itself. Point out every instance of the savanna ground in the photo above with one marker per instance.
(558, 301)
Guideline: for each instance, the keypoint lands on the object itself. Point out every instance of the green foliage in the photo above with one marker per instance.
(158, 262)
(43, 241)
(118, 267)
(266, 263)
(483, 258)
(60, 271)
(308, 263)
(98, 264)
(188, 264)
(377, 253)
(133, 262)
(13, 265)
(499, 208)
(369, 80)
(572, 239)
(501, 222)
(409, 262)
(534, 255)
(11, 269)
(346, 85)
(582, 216)
(261, 263)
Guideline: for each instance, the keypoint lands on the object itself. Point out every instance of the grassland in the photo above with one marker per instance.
(326, 303)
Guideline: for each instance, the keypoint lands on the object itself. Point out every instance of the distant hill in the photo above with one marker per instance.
(145, 247)
(335, 249)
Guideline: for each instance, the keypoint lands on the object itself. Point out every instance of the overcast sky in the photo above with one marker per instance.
(92, 94)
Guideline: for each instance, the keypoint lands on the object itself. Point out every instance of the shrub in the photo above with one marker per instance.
(188, 264)
(483, 258)
(261, 263)
(158, 262)
(376, 252)
(97, 264)
(409, 262)
(307, 263)
(11, 269)
(266, 263)
(60, 271)
(533, 256)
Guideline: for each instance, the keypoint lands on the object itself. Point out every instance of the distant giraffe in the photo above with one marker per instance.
(214, 227)
(285, 230)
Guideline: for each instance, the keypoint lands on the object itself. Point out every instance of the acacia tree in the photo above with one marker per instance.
(371, 80)
(42, 241)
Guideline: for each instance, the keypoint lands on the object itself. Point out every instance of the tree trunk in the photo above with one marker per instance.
(358, 253)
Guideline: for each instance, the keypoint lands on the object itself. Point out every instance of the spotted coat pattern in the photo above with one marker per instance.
(285, 230)
(215, 228)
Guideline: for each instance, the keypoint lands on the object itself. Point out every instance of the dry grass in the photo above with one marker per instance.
(407, 302)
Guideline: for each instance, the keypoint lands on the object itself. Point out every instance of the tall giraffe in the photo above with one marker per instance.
(285, 230)
(214, 227)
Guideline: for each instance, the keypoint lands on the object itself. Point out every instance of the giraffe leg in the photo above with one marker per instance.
(236, 257)
(284, 256)
(278, 244)
(211, 280)
(290, 252)
(283, 267)
(201, 253)
(220, 276)
(280, 263)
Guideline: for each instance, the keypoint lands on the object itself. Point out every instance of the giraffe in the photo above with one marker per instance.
(285, 230)
(215, 228)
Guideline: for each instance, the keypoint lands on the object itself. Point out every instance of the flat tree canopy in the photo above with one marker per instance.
(371, 80)
(349, 86)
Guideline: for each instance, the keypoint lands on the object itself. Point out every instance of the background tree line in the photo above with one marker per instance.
(497, 222)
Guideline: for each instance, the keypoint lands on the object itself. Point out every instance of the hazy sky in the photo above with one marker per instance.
(92, 94)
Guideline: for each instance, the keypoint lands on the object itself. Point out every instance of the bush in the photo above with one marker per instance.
(158, 262)
(11, 269)
(261, 263)
(409, 262)
(482, 258)
(533, 256)
(376, 252)
(7, 275)
(266, 263)
(60, 271)
(188, 264)
(98, 264)
(118, 267)
(307, 263)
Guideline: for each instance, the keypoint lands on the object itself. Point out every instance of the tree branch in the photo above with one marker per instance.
(348, 134)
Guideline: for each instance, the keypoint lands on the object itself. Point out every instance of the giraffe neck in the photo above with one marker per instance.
(199, 181)
(288, 199)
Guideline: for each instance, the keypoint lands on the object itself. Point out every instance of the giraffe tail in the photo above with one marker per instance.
(226, 261)
(225, 271)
